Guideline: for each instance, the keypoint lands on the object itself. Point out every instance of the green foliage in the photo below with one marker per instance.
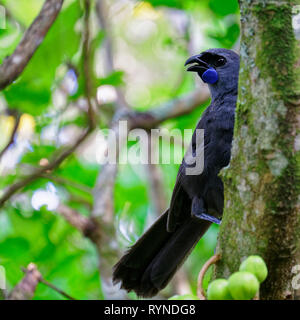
(114, 79)
(32, 92)
(223, 8)
(9, 38)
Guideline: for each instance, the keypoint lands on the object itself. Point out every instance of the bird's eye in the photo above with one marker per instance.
(220, 62)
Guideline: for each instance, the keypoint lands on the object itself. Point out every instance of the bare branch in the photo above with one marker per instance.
(103, 215)
(101, 235)
(14, 65)
(10, 191)
(103, 190)
(78, 221)
(87, 66)
(25, 289)
(207, 264)
(67, 182)
(53, 287)
(147, 120)
(156, 185)
(13, 135)
(170, 109)
(102, 13)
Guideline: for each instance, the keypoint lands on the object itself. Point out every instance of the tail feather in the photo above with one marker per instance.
(150, 264)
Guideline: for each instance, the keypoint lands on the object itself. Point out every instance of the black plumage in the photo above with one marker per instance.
(197, 200)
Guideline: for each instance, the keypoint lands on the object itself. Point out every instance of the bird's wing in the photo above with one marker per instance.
(215, 150)
(180, 207)
(180, 202)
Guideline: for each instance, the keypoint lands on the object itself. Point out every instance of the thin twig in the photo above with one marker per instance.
(78, 221)
(14, 65)
(207, 264)
(10, 191)
(156, 184)
(68, 183)
(25, 289)
(30, 281)
(170, 109)
(148, 119)
(13, 135)
(53, 287)
(87, 67)
(102, 13)
(81, 200)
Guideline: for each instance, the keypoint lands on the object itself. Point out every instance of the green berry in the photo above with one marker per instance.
(184, 297)
(218, 290)
(243, 285)
(255, 265)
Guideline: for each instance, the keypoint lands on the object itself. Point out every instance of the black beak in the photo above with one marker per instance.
(199, 65)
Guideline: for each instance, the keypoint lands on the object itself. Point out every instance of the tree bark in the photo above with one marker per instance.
(261, 214)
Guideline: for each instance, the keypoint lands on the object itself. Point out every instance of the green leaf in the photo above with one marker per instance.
(166, 3)
(9, 38)
(114, 79)
(31, 93)
(223, 8)
(12, 247)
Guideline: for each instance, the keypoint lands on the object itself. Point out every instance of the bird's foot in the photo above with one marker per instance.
(198, 211)
(208, 217)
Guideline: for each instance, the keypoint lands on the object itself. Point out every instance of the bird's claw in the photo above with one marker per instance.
(207, 217)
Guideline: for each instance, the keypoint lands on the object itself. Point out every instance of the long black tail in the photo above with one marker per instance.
(151, 262)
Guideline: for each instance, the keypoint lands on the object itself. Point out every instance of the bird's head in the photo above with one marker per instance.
(217, 67)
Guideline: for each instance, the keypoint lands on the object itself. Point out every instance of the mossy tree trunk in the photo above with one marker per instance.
(262, 213)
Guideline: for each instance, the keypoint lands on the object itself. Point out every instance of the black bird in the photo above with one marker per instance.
(197, 200)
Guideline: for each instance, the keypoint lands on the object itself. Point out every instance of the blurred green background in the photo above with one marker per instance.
(151, 40)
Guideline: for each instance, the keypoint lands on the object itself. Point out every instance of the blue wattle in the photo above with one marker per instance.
(210, 76)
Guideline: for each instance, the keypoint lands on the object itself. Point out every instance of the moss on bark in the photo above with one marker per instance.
(262, 183)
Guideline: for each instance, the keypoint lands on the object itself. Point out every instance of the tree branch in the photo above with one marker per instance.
(207, 264)
(53, 287)
(10, 191)
(147, 120)
(67, 182)
(157, 192)
(78, 221)
(25, 289)
(168, 110)
(14, 65)
(102, 13)
(87, 66)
